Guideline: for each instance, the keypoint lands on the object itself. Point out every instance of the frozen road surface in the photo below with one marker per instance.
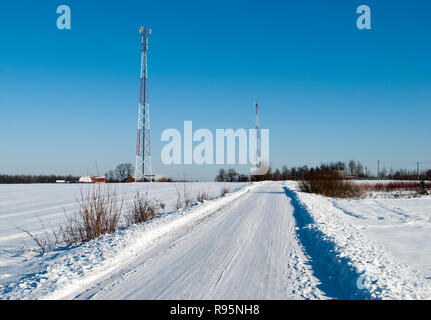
(245, 248)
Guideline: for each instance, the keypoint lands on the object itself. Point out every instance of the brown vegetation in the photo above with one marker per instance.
(98, 214)
(45, 241)
(329, 184)
(392, 186)
(184, 196)
(224, 191)
(142, 210)
(202, 196)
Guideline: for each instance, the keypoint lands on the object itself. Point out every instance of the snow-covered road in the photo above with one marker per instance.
(263, 240)
(244, 249)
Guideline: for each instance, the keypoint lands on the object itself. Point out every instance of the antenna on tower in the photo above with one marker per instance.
(143, 170)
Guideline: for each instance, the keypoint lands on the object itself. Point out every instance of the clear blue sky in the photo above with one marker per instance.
(328, 90)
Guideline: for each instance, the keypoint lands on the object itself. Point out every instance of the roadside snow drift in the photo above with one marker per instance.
(361, 257)
(263, 240)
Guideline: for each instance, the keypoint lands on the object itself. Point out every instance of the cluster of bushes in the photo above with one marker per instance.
(421, 187)
(100, 211)
(410, 175)
(144, 209)
(329, 184)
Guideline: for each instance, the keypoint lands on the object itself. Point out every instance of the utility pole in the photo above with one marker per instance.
(143, 170)
(417, 170)
(378, 169)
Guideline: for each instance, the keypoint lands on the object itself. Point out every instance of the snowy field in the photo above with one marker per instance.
(387, 240)
(264, 240)
(402, 226)
(22, 205)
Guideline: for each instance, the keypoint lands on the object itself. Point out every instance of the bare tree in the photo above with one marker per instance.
(123, 171)
(232, 175)
(129, 170)
(340, 166)
(277, 175)
(384, 173)
(285, 173)
(352, 167)
(110, 176)
(359, 169)
(221, 176)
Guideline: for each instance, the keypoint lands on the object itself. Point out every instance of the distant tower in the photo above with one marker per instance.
(258, 145)
(143, 171)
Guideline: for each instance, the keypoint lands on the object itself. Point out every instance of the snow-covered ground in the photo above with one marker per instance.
(262, 241)
(402, 226)
(243, 246)
(386, 240)
(21, 206)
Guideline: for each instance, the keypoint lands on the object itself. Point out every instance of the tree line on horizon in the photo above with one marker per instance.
(351, 170)
(23, 178)
(122, 173)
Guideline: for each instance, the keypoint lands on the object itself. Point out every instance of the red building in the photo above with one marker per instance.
(92, 180)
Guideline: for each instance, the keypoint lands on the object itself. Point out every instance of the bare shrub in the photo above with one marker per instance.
(187, 194)
(184, 196)
(224, 191)
(142, 210)
(179, 203)
(202, 196)
(45, 241)
(162, 206)
(329, 184)
(422, 189)
(98, 214)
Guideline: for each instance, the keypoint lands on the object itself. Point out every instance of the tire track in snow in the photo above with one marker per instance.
(246, 251)
(76, 268)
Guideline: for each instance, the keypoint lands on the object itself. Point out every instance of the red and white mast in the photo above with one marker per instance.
(143, 170)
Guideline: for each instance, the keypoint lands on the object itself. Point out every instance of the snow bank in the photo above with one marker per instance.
(379, 273)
